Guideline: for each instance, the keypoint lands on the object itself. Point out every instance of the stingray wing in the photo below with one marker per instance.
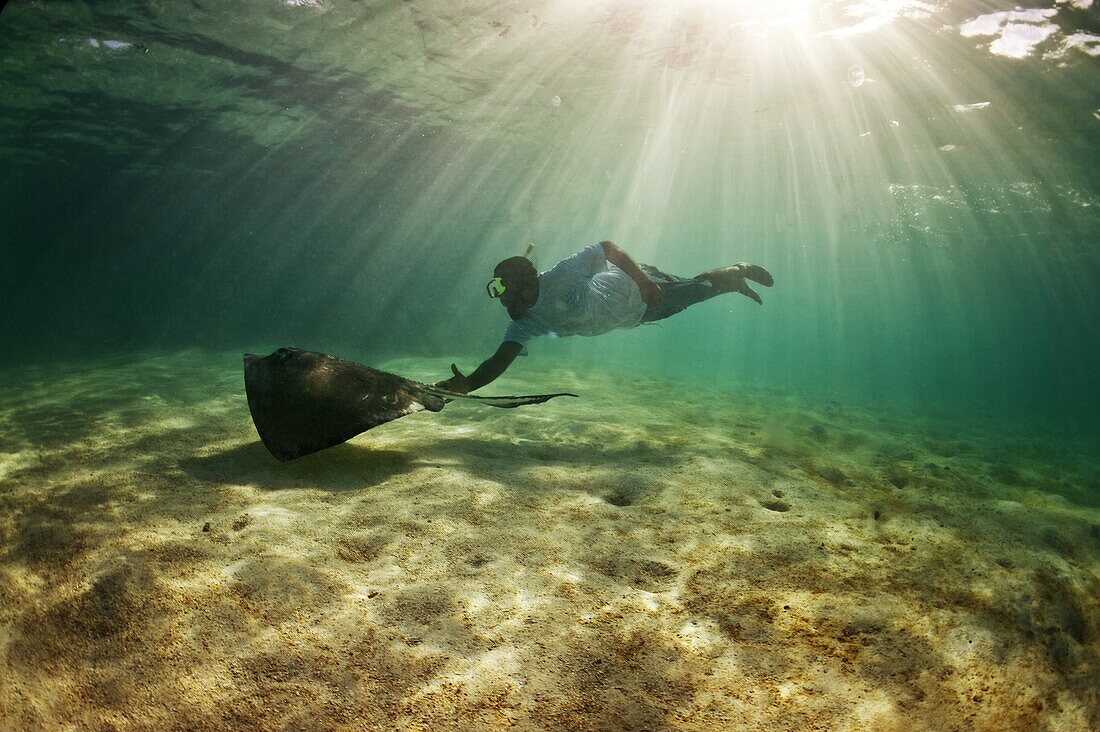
(302, 401)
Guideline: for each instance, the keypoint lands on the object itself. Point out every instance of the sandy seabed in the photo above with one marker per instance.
(684, 559)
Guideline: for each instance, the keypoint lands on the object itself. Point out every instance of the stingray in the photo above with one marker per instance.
(302, 401)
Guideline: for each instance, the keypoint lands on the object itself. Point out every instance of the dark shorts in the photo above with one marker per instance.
(677, 293)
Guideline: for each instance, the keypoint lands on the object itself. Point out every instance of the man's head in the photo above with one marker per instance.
(516, 282)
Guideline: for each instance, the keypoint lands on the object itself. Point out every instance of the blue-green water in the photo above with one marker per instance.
(344, 176)
(870, 503)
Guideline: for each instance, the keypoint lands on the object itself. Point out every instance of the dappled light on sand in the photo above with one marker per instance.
(803, 560)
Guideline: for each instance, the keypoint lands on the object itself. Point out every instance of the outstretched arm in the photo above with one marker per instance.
(651, 293)
(487, 372)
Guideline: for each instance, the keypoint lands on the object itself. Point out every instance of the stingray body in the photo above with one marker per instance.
(303, 401)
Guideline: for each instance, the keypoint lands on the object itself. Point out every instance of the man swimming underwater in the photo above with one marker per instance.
(598, 289)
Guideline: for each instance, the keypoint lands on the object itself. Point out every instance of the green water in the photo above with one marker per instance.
(922, 178)
(871, 503)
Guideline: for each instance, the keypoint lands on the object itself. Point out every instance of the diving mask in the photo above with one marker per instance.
(495, 288)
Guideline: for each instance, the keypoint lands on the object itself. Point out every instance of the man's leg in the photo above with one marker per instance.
(732, 279)
(679, 293)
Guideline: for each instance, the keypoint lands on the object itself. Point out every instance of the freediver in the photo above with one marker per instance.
(598, 289)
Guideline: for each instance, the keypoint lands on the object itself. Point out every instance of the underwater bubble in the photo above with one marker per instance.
(970, 107)
(556, 101)
(856, 77)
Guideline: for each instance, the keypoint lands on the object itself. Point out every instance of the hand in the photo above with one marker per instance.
(458, 383)
(651, 293)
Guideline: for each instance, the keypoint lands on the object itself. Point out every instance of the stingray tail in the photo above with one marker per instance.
(504, 402)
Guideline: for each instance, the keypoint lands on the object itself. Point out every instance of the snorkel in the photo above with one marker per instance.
(516, 284)
(495, 287)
